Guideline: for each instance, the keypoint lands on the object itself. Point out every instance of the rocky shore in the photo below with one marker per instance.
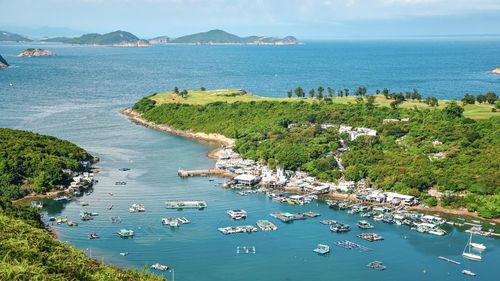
(217, 139)
(36, 53)
(3, 62)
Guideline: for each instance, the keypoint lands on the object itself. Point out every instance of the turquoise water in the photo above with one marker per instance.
(77, 96)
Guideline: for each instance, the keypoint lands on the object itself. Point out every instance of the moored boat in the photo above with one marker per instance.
(378, 265)
(238, 214)
(322, 249)
(185, 205)
(125, 233)
(266, 225)
(160, 267)
(364, 224)
(468, 272)
(468, 254)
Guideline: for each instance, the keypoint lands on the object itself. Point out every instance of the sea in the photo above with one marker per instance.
(77, 96)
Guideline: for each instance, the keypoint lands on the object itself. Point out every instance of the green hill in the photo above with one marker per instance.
(8, 36)
(218, 36)
(113, 38)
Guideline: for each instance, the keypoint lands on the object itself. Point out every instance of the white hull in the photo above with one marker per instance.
(478, 246)
(471, 257)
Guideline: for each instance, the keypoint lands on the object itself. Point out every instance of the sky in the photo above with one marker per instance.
(305, 19)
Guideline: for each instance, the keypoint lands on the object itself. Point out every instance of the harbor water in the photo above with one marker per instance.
(78, 94)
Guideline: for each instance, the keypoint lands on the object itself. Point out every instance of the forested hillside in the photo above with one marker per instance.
(435, 149)
(34, 162)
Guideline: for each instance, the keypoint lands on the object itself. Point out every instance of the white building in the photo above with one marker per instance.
(246, 179)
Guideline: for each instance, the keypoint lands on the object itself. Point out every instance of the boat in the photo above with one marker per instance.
(467, 251)
(93, 236)
(322, 249)
(61, 219)
(185, 205)
(110, 207)
(364, 224)
(84, 204)
(125, 233)
(371, 237)
(237, 214)
(378, 217)
(124, 169)
(288, 217)
(173, 222)
(312, 214)
(161, 267)
(266, 225)
(115, 219)
(62, 198)
(449, 260)
(36, 204)
(121, 183)
(136, 208)
(378, 265)
(339, 227)
(328, 222)
(238, 229)
(468, 272)
(71, 223)
(478, 246)
(124, 254)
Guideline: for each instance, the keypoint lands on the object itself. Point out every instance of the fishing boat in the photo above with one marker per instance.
(160, 267)
(371, 237)
(237, 214)
(339, 227)
(173, 222)
(468, 272)
(266, 225)
(185, 205)
(378, 265)
(238, 229)
(93, 236)
(364, 224)
(71, 223)
(328, 222)
(322, 249)
(125, 233)
(467, 251)
(136, 208)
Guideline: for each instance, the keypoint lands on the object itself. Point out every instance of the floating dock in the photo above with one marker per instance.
(351, 245)
(288, 217)
(185, 205)
(448, 260)
(238, 229)
(266, 225)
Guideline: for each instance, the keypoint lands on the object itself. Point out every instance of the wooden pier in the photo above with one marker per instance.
(204, 173)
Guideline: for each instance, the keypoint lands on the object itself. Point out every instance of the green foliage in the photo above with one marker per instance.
(32, 160)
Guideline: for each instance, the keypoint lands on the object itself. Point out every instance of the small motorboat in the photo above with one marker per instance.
(378, 265)
(322, 249)
(478, 246)
(124, 254)
(161, 267)
(468, 272)
(93, 236)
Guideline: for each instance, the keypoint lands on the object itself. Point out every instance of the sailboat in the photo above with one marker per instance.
(467, 251)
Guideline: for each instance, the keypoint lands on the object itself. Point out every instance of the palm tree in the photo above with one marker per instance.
(289, 93)
(346, 92)
(320, 91)
(340, 94)
(299, 92)
(331, 91)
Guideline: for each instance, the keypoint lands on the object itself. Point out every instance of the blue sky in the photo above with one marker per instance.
(306, 19)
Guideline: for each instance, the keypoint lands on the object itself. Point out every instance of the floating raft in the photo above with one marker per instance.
(238, 229)
(371, 237)
(266, 225)
(245, 250)
(288, 217)
(351, 245)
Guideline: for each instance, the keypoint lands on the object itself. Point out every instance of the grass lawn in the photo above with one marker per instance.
(199, 97)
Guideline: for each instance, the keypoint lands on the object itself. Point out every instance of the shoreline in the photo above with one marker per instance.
(228, 142)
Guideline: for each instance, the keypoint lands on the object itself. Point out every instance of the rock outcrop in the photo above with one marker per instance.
(3, 62)
(496, 71)
(36, 53)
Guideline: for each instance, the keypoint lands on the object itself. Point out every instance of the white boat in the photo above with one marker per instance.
(237, 214)
(158, 266)
(467, 251)
(468, 272)
(478, 246)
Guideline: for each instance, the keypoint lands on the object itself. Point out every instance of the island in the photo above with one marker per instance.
(117, 39)
(348, 146)
(3, 62)
(217, 36)
(496, 71)
(9, 36)
(31, 162)
(36, 53)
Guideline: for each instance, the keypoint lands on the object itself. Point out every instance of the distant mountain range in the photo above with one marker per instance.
(8, 36)
(124, 38)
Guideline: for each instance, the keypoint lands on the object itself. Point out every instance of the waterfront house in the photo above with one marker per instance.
(246, 179)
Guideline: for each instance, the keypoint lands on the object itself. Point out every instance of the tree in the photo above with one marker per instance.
(408, 95)
(377, 92)
(468, 99)
(370, 101)
(176, 90)
(320, 92)
(289, 93)
(491, 97)
(331, 92)
(311, 93)
(480, 98)
(395, 103)
(346, 91)
(184, 93)
(364, 91)
(415, 95)
(431, 101)
(299, 92)
(203, 89)
(385, 92)
(340, 93)
(358, 92)
(453, 109)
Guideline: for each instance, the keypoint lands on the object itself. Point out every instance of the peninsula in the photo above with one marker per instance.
(36, 53)
(3, 62)
(357, 142)
(9, 36)
(38, 163)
